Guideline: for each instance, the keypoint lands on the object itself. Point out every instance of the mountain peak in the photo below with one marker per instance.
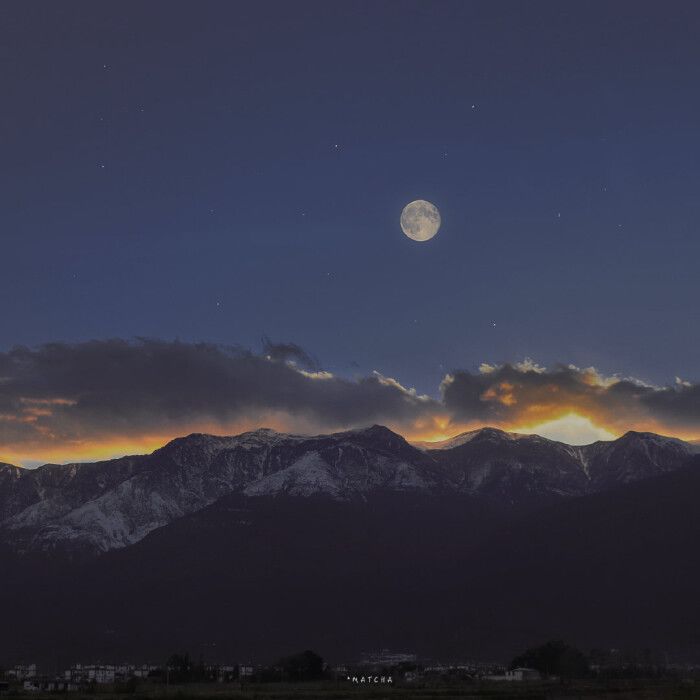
(376, 437)
(5, 466)
(379, 430)
(641, 436)
(375, 427)
(105, 505)
(486, 433)
(263, 431)
(637, 434)
(207, 439)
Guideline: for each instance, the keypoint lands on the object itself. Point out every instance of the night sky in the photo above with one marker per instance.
(230, 172)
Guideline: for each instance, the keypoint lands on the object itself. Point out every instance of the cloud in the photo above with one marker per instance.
(526, 394)
(61, 400)
(60, 393)
(290, 353)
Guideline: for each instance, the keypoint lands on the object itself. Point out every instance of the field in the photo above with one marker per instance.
(588, 690)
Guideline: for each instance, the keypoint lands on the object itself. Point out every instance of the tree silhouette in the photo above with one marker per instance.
(554, 658)
(305, 666)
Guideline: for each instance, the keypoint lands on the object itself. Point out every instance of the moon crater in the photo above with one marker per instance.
(420, 220)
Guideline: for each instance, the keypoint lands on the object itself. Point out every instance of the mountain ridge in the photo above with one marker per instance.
(448, 578)
(112, 504)
(453, 441)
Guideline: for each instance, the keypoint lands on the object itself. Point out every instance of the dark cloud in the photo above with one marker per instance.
(60, 392)
(73, 394)
(522, 393)
(678, 405)
(290, 353)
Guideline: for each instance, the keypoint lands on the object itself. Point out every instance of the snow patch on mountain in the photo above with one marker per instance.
(113, 504)
(308, 475)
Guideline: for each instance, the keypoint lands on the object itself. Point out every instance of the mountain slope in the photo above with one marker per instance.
(512, 467)
(517, 467)
(254, 578)
(113, 504)
(106, 505)
(634, 456)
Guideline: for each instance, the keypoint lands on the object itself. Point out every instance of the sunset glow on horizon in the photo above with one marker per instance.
(571, 428)
(103, 399)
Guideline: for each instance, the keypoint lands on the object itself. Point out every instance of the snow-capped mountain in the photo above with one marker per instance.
(514, 466)
(106, 505)
(635, 456)
(112, 504)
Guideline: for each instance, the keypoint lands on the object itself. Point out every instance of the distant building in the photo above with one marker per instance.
(144, 670)
(516, 674)
(99, 673)
(523, 674)
(49, 685)
(221, 674)
(386, 657)
(23, 672)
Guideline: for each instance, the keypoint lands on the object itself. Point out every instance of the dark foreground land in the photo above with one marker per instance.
(588, 690)
(253, 579)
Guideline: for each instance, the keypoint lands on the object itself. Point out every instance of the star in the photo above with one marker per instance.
(493, 323)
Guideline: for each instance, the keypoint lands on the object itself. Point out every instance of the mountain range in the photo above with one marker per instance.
(254, 546)
(111, 504)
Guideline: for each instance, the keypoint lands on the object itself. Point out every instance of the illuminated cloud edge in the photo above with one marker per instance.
(104, 397)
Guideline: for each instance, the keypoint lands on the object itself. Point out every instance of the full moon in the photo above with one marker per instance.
(420, 220)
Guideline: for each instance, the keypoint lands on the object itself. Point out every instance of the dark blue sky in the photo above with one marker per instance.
(221, 171)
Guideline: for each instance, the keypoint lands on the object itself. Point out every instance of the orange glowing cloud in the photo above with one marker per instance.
(106, 398)
(582, 404)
